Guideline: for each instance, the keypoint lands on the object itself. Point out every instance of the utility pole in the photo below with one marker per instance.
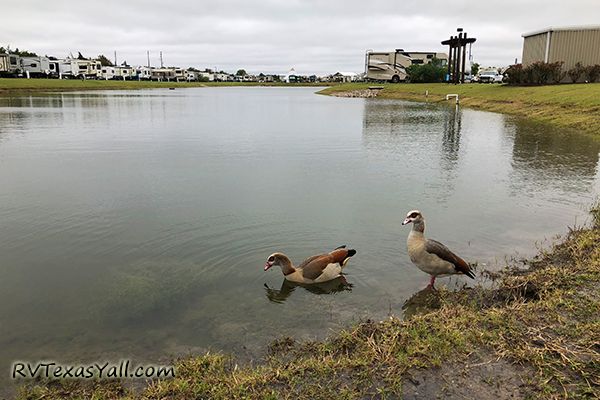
(115, 58)
(161, 60)
(148, 55)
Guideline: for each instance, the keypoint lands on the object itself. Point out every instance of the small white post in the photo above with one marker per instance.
(27, 74)
(448, 96)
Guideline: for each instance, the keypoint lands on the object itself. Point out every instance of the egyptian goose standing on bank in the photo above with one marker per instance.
(431, 256)
(315, 269)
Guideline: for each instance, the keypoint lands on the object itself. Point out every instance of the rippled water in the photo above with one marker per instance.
(136, 224)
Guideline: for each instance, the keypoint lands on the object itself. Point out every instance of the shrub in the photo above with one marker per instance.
(426, 73)
(592, 72)
(515, 74)
(576, 72)
(538, 73)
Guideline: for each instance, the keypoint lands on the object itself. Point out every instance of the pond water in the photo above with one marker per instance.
(136, 224)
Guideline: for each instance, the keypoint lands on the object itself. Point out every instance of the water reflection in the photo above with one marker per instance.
(287, 288)
(451, 138)
(552, 160)
(421, 302)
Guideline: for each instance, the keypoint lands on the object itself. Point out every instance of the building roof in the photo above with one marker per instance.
(562, 28)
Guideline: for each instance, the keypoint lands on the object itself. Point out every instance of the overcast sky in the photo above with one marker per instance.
(273, 36)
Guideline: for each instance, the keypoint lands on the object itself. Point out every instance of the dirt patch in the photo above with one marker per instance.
(363, 93)
(483, 378)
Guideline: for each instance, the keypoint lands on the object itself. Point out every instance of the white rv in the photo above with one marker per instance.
(163, 74)
(208, 75)
(391, 66)
(107, 72)
(191, 75)
(61, 68)
(386, 65)
(179, 74)
(4, 64)
(75, 68)
(37, 67)
(143, 73)
(10, 65)
(124, 72)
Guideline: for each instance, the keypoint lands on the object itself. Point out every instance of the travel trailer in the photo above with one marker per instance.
(107, 72)
(74, 68)
(179, 74)
(386, 66)
(208, 75)
(163, 74)
(36, 67)
(191, 75)
(4, 64)
(10, 65)
(124, 72)
(60, 68)
(143, 73)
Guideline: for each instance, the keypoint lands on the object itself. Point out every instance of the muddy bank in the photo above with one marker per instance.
(362, 93)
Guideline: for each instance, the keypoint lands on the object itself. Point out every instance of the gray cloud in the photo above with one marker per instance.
(273, 36)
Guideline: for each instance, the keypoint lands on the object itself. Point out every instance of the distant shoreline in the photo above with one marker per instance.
(20, 86)
(570, 106)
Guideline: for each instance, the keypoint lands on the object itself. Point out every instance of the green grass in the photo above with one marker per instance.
(573, 107)
(542, 323)
(15, 86)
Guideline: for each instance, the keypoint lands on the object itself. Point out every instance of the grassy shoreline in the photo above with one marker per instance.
(13, 86)
(573, 107)
(534, 335)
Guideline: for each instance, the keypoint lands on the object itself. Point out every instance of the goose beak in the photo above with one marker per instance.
(406, 221)
(267, 266)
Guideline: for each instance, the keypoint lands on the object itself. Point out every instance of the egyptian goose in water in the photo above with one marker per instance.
(431, 256)
(315, 269)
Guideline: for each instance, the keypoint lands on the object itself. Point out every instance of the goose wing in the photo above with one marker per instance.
(437, 248)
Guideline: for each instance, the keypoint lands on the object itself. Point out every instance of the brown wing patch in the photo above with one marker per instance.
(309, 259)
(314, 268)
(339, 255)
(437, 248)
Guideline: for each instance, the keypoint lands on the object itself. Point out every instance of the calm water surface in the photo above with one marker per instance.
(136, 224)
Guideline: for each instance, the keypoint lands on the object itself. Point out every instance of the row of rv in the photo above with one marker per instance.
(74, 68)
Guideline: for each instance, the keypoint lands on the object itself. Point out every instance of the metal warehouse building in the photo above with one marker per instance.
(569, 44)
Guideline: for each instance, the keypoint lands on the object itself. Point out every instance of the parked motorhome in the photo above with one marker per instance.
(386, 65)
(425, 57)
(36, 67)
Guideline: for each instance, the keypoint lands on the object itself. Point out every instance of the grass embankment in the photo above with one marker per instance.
(12, 86)
(535, 335)
(574, 107)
